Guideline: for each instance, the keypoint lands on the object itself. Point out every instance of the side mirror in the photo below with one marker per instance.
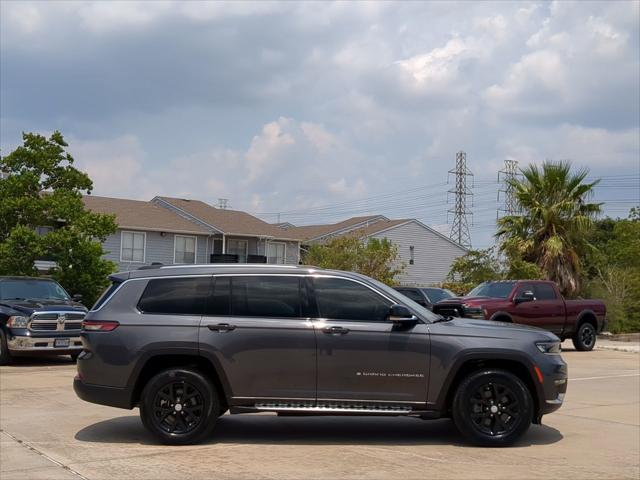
(525, 297)
(76, 297)
(401, 314)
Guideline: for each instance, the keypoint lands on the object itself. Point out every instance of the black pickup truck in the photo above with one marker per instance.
(37, 316)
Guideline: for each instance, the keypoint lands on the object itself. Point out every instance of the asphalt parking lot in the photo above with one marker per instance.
(48, 433)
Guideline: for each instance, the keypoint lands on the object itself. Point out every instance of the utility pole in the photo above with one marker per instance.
(223, 203)
(507, 175)
(460, 226)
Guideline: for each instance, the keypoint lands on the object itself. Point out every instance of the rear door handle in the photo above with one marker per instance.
(221, 327)
(335, 330)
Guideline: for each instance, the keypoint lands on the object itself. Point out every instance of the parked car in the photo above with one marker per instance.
(532, 302)
(188, 343)
(37, 316)
(426, 296)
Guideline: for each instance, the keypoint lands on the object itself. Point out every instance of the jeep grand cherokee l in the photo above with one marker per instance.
(186, 344)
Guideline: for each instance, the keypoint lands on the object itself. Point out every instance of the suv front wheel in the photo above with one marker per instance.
(179, 406)
(492, 408)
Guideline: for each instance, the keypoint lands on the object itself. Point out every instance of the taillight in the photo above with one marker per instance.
(99, 325)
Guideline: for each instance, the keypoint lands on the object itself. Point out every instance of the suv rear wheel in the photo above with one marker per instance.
(179, 406)
(492, 408)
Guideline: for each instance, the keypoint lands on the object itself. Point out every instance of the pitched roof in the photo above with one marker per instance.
(380, 226)
(142, 215)
(311, 232)
(229, 222)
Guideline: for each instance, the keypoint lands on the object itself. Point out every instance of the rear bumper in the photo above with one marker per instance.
(102, 395)
(20, 344)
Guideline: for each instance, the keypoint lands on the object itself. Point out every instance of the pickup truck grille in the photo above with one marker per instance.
(56, 321)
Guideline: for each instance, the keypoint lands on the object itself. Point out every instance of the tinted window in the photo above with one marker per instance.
(220, 301)
(105, 295)
(32, 289)
(544, 291)
(347, 300)
(413, 295)
(437, 294)
(265, 296)
(181, 296)
(524, 287)
(492, 289)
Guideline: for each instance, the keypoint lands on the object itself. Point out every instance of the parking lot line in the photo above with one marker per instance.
(605, 376)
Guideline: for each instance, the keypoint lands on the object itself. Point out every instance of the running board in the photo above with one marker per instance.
(335, 408)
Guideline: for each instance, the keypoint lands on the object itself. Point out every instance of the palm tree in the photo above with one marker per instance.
(555, 218)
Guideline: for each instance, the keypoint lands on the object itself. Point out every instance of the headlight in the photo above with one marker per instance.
(550, 348)
(18, 322)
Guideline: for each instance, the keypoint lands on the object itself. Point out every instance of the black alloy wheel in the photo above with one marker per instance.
(585, 338)
(492, 407)
(180, 406)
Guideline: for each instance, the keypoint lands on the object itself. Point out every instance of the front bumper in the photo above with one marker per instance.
(554, 385)
(27, 344)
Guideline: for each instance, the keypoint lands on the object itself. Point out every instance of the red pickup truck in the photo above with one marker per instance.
(531, 302)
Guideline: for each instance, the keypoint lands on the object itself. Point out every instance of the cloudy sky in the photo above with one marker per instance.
(321, 111)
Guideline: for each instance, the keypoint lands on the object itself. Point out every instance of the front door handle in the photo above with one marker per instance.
(335, 330)
(221, 327)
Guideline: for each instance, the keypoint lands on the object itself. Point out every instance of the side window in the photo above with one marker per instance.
(524, 287)
(220, 300)
(266, 296)
(346, 300)
(413, 295)
(544, 291)
(177, 296)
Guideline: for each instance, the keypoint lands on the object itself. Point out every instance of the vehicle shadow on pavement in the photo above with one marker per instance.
(273, 430)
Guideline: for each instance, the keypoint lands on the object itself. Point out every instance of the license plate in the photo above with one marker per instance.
(61, 342)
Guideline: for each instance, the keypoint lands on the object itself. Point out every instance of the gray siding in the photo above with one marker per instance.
(433, 254)
(157, 249)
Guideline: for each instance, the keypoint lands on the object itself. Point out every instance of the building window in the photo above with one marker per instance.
(411, 257)
(184, 249)
(277, 253)
(238, 247)
(133, 246)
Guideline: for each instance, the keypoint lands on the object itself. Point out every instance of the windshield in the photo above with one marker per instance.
(492, 289)
(437, 294)
(28, 289)
(419, 309)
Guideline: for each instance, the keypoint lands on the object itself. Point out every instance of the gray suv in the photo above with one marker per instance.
(186, 344)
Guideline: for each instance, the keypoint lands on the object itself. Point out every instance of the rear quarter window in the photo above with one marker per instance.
(106, 294)
(177, 296)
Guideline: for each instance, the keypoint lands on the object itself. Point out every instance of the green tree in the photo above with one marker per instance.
(42, 188)
(613, 268)
(375, 258)
(475, 267)
(556, 219)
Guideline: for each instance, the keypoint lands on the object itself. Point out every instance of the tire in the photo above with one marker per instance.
(5, 355)
(585, 338)
(482, 422)
(74, 357)
(165, 413)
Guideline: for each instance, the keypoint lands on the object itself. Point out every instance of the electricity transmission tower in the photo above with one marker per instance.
(460, 226)
(510, 203)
